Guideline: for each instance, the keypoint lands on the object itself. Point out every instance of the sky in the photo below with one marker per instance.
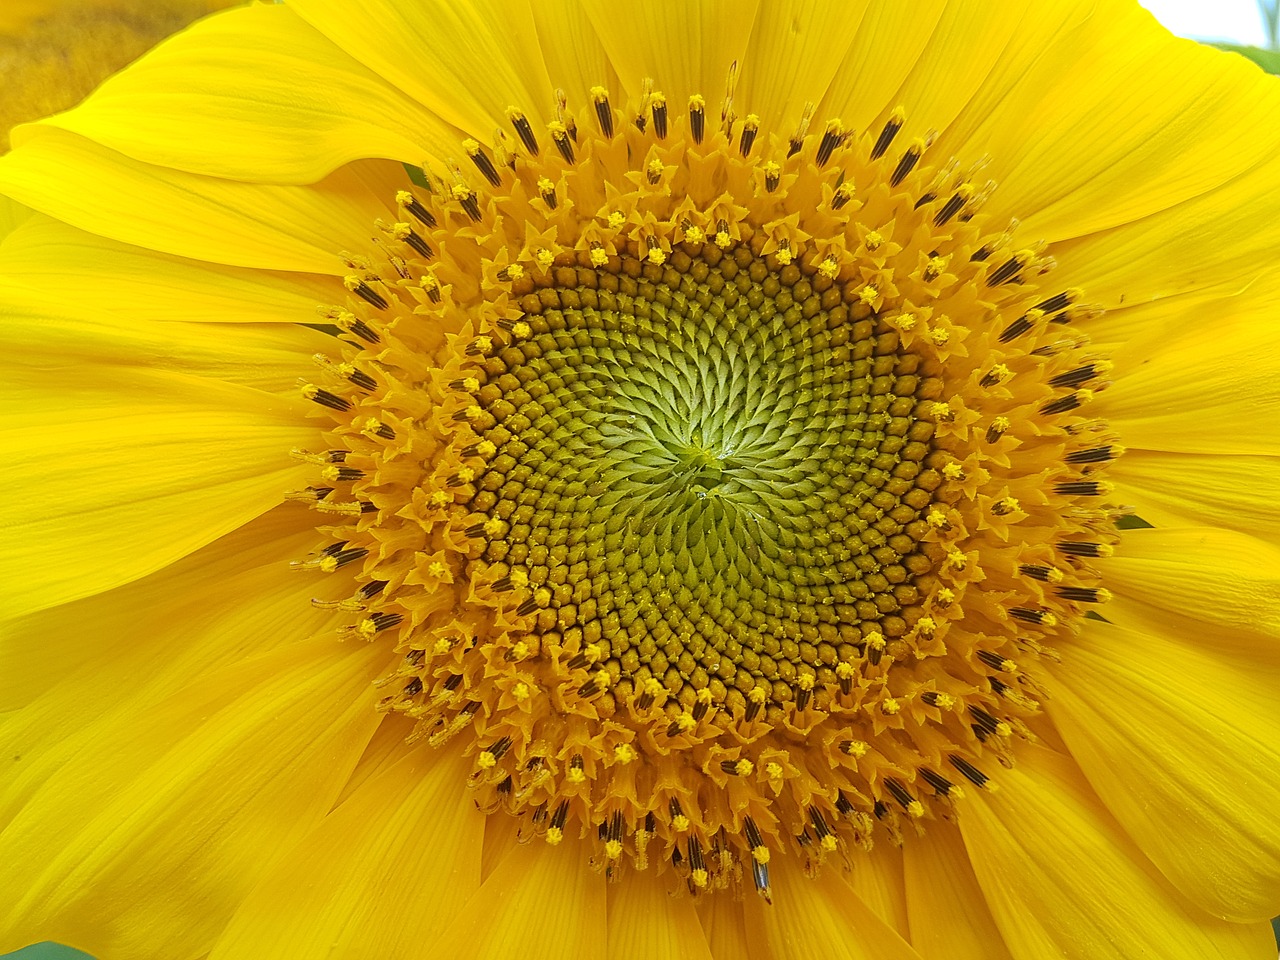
(1234, 21)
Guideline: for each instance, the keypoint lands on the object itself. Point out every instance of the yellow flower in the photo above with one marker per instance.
(689, 525)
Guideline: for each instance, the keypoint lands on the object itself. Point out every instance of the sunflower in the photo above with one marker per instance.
(550, 480)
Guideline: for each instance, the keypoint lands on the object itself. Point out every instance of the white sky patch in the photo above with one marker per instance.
(1229, 21)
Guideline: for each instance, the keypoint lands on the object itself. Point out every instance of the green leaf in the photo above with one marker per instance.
(1268, 60)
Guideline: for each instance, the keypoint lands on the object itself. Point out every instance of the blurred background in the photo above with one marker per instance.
(1249, 27)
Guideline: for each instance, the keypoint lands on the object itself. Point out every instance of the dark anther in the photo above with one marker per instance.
(700, 708)
(364, 332)
(879, 808)
(1026, 615)
(588, 689)
(1076, 377)
(994, 433)
(333, 549)
(659, 117)
(873, 655)
(749, 131)
(925, 198)
(528, 607)
(930, 697)
(891, 128)
(980, 254)
(730, 767)
(420, 246)
(695, 855)
(349, 474)
(831, 139)
(1015, 329)
(899, 792)
(336, 456)
(327, 399)
(771, 181)
(563, 144)
(843, 806)
(561, 815)
(905, 166)
(949, 209)
(372, 589)
(1006, 271)
(1079, 488)
(991, 378)
(421, 213)
(1055, 303)
(802, 698)
(453, 682)
(505, 785)
(370, 295)
(1062, 405)
(1080, 594)
(697, 121)
(983, 721)
(362, 380)
(795, 146)
(471, 203)
(1092, 455)
(971, 773)
(485, 166)
(992, 659)
(1077, 548)
(367, 507)
(475, 531)
(347, 556)
(549, 197)
(413, 687)
(674, 809)
(939, 783)
(604, 116)
(819, 823)
(753, 709)
(499, 747)
(525, 132)
(1034, 571)
(385, 432)
(998, 687)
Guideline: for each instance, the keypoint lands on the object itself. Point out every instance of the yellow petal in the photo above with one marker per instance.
(648, 922)
(1114, 120)
(130, 468)
(12, 216)
(725, 928)
(794, 52)
(968, 41)
(243, 224)
(1219, 585)
(574, 58)
(1217, 243)
(257, 75)
(1174, 489)
(890, 40)
(377, 878)
(87, 270)
(79, 330)
(1204, 388)
(878, 882)
(146, 841)
(1171, 733)
(820, 918)
(948, 915)
(541, 903)
(684, 48)
(466, 63)
(1064, 880)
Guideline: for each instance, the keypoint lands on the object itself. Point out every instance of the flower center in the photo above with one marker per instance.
(719, 499)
